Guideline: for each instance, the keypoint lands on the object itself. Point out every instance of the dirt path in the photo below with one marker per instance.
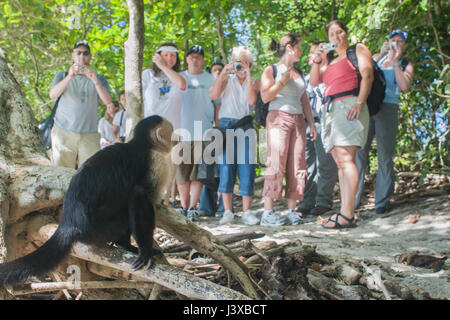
(420, 225)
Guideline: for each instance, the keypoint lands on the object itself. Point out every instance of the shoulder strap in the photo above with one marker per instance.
(57, 100)
(275, 71)
(351, 55)
(121, 118)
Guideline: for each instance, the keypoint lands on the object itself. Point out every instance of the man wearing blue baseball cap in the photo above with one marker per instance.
(398, 73)
(74, 134)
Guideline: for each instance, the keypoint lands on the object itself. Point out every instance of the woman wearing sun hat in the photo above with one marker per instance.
(398, 73)
(160, 85)
(161, 91)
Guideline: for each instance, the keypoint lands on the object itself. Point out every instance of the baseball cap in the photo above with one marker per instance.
(401, 33)
(217, 61)
(82, 43)
(197, 49)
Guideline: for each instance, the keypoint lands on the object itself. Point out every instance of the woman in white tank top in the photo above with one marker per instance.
(286, 131)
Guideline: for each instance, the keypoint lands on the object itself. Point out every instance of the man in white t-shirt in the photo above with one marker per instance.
(197, 112)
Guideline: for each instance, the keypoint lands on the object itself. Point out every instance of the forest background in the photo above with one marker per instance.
(38, 37)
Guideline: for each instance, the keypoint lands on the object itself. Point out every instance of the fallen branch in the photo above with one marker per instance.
(227, 238)
(164, 275)
(206, 243)
(376, 274)
(69, 285)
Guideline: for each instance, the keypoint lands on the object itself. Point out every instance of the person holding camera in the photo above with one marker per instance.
(119, 128)
(322, 170)
(75, 135)
(345, 117)
(162, 83)
(161, 92)
(398, 73)
(238, 92)
(285, 88)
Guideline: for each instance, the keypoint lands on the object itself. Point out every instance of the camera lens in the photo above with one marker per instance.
(237, 66)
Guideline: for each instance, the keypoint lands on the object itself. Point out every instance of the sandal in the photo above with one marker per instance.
(351, 222)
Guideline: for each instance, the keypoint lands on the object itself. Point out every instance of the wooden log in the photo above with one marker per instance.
(227, 238)
(164, 275)
(206, 243)
(68, 285)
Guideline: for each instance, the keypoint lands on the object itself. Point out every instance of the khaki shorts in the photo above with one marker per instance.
(71, 148)
(338, 131)
(188, 168)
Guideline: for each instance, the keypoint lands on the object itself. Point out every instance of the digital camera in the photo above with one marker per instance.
(393, 45)
(330, 46)
(237, 65)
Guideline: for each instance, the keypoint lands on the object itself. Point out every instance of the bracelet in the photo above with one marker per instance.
(359, 102)
(314, 61)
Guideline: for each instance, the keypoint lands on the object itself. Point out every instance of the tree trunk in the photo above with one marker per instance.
(134, 51)
(220, 33)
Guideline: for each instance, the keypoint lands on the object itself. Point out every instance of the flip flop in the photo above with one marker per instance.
(351, 222)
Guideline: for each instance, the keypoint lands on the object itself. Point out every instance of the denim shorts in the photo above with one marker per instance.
(242, 161)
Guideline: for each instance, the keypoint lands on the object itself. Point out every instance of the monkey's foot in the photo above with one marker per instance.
(143, 260)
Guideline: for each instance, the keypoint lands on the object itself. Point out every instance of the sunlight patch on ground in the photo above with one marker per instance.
(370, 235)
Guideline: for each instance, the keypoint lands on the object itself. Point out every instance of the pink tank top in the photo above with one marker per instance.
(340, 77)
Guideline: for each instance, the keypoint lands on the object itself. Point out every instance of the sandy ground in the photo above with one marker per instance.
(377, 240)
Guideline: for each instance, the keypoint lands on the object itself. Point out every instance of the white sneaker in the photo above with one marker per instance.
(272, 219)
(192, 214)
(249, 217)
(227, 217)
(294, 217)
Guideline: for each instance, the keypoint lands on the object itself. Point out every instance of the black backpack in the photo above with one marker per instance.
(376, 95)
(261, 108)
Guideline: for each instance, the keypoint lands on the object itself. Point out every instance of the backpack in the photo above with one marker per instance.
(261, 108)
(376, 95)
(46, 125)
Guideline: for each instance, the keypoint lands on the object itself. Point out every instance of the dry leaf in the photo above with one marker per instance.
(320, 219)
(413, 219)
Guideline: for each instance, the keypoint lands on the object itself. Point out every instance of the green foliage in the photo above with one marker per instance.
(38, 37)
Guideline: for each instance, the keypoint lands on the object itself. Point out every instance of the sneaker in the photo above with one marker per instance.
(319, 210)
(249, 217)
(294, 217)
(192, 214)
(182, 211)
(272, 219)
(381, 210)
(227, 217)
(304, 211)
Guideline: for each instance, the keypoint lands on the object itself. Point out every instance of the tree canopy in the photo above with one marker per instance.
(38, 37)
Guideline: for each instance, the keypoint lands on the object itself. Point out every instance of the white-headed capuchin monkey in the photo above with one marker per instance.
(110, 197)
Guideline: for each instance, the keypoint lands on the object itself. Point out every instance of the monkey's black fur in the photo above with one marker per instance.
(109, 198)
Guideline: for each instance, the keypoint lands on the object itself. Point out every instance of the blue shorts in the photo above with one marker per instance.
(241, 161)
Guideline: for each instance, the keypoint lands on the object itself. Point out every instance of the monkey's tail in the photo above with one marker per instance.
(40, 261)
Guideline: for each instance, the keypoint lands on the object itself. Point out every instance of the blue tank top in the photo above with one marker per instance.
(392, 92)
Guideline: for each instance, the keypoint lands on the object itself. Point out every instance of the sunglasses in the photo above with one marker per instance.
(85, 53)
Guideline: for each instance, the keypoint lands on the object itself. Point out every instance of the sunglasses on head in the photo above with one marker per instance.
(85, 53)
